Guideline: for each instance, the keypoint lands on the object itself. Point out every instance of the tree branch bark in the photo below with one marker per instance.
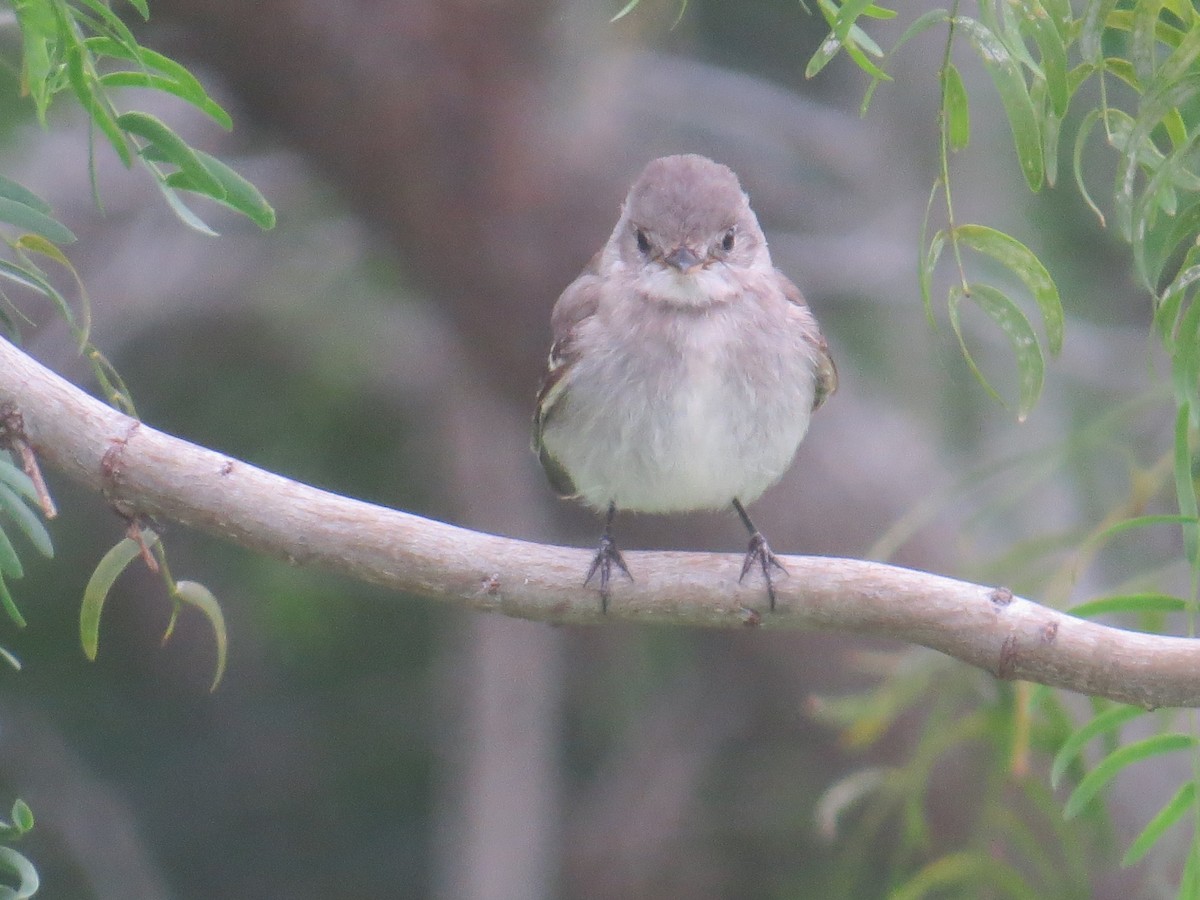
(144, 471)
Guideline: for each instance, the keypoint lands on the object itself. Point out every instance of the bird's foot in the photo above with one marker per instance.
(607, 555)
(759, 553)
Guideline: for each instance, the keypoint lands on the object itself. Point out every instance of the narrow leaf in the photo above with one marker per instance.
(1183, 800)
(1143, 50)
(955, 108)
(1109, 767)
(95, 105)
(1081, 137)
(1014, 95)
(1091, 34)
(27, 520)
(1054, 55)
(19, 194)
(166, 85)
(1189, 880)
(1020, 260)
(1106, 722)
(964, 874)
(114, 562)
(1031, 367)
(202, 598)
(17, 480)
(1185, 488)
(10, 606)
(625, 10)
(16, 864)
(1129, 603)
(172, 147)
(22, 816)
(237, 193)
(10, 563)
(30, 219)
(1154, 107)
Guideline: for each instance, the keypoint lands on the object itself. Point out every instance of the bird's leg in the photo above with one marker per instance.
(759, 552)
(606, 555)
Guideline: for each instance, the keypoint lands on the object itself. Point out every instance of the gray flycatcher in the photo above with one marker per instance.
(685, 366)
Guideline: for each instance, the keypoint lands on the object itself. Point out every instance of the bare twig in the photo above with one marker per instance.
(984, 626)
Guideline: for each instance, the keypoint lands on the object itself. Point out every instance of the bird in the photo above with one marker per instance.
(684, 367)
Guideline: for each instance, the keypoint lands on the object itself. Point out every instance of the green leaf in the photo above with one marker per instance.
(1166, 316)
(16, 213)
(10, 563)
(1091, 33)
(237, 193)
(1189, 880)
(1129, 603)
(625, 10)
(1140, 522)
(1105, 723)
(10, 659)
(1014, 95)
(930, 254)
(166, 85)
(1109, 767)
(15, 864)
(1086, 124)
(27, 520)
(1161, 247)
(95, 105)
(39, 40)
(1004, 312)
(1053, 54)
(108, 22)
(1051, 129)
(1183, 800)
(964, 874)
(160, 72)
(22, 816)
(1020, 260)
(955, 109)
(1185, 488)
(17, 480)
(114, 562)
(20, 194)
(9, 605)
(1155, 106)
(1143, 50)
(202, 598)
(181, 210)
(32, 278)
(173, 149)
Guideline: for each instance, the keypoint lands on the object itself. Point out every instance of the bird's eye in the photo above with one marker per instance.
(643, 242)
(727, 241)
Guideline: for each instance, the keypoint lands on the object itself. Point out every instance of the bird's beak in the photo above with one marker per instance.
(683, 259)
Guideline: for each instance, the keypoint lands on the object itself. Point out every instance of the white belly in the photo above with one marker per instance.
(679, 425)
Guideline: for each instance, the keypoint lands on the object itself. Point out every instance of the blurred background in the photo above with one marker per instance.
(441, 170)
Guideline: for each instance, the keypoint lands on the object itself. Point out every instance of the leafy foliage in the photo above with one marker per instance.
(1053, 68)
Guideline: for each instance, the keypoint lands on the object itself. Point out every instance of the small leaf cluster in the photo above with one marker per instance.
(1140, 65)
(84, 48)
(1011, 839)
(18, 505)
(144, 544)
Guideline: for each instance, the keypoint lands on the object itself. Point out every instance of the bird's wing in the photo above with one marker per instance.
(576, 304)
(826, 372)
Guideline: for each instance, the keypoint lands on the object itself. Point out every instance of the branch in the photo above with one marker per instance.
(144, 471)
